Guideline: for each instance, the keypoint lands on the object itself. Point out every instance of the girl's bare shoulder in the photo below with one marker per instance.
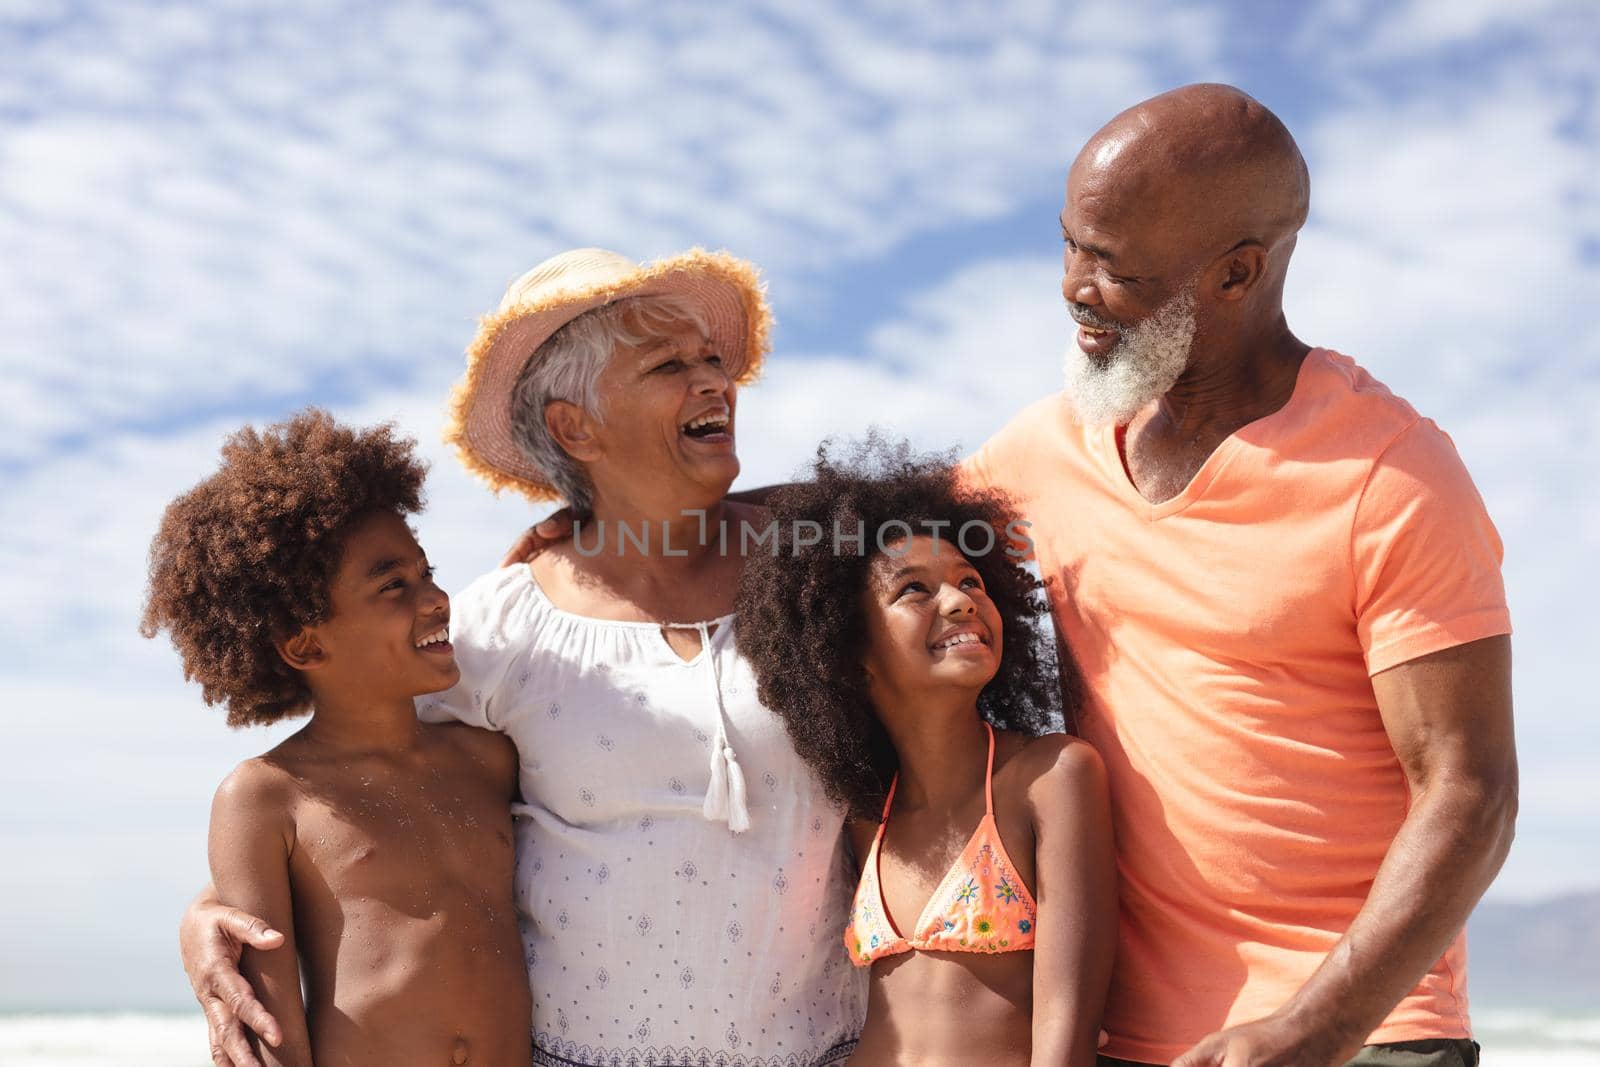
(1050, 767)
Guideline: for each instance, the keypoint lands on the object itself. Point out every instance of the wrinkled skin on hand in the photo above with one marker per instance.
(548, 532)
(1271, 1042)
(211, 938)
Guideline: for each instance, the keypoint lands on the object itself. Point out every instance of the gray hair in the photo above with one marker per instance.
(567, 367)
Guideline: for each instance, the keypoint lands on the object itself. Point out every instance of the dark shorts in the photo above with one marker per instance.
(1435, 1052)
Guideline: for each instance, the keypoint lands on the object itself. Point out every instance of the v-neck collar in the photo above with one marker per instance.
(1110, 439)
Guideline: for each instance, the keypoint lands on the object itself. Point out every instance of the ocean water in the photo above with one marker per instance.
(1520, 1038)
(104, 1040)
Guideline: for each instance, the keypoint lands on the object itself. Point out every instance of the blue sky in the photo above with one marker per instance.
(218, 212)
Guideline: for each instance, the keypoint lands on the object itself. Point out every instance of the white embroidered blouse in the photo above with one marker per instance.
(655, 933)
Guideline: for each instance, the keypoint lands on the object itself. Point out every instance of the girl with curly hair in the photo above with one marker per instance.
(895, 635)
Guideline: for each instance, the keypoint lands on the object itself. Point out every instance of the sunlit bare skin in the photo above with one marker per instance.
(944, 1007)
(399, 867)
(379, 845)
(932, 1009)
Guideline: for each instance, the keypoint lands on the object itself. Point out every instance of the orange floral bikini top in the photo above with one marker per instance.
(980, 906)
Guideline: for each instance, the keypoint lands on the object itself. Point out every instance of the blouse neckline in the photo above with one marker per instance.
(719, 622)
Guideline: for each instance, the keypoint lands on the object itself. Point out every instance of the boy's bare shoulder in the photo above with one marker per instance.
(263, 787)
(488, 747)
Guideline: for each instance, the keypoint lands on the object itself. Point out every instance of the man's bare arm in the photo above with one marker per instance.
(1448, 716)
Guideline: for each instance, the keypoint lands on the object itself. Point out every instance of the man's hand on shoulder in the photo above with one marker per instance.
(748, 512)
(556, 528)
(1275, 1041)
(546, 533)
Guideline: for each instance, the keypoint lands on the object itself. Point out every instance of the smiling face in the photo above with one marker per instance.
(667, 425)
(1131, 287)
(929, 624)
(387, 633)
(1123, 254)
(1179, 222)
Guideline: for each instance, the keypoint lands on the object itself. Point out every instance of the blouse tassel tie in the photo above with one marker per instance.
(725, 799)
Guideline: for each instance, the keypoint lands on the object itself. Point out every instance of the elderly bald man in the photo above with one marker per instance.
(1284, 594)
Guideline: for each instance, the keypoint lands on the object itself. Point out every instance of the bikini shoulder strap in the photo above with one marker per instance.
(988, 774)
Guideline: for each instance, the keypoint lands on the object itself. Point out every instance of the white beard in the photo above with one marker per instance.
(1147, 362)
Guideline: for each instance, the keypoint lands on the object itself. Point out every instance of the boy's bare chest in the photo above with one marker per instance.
(407, 841)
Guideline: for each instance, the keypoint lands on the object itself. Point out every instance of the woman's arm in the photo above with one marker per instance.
(1077, 898)
(252, 834)
(211, 938)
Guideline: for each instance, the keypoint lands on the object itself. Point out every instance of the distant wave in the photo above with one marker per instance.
(104, 1040)
(1533, 1028)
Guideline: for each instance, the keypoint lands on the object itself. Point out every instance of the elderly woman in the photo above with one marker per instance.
(680, 875)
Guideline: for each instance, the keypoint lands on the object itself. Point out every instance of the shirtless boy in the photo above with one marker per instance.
(379, 845)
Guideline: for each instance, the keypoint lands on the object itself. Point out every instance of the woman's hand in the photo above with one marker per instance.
(211, 938)
(547, 532)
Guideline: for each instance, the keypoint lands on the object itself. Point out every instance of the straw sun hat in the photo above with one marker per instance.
(727, 289)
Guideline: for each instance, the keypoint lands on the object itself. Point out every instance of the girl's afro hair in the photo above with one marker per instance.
(800, 622)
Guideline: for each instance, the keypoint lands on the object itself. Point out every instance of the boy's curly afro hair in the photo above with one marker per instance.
(800, 622)
(247, 555)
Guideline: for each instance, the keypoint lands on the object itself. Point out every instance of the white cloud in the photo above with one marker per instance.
(945, 371)
(1374, 32)
(204, 206)
(1434, 23)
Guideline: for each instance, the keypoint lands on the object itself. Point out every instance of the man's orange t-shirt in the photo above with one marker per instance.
(1227, 638)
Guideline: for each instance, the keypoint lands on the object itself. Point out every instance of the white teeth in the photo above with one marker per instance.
(717, 419)
(958, 639)
(437, 637)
